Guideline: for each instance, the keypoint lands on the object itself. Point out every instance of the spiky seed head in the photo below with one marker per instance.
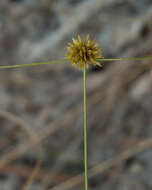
(80, 52)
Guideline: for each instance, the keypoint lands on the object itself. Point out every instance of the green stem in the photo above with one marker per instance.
(32, 64)
(85, 129)
(126, 59)
(65, 60)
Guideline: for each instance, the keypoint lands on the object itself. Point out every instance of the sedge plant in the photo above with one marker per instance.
(81, 53)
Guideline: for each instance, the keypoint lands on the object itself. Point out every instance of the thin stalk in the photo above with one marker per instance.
(65, 60)
(32, 64)
(85, 128)
(126, 59)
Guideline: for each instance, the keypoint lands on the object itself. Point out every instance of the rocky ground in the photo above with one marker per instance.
(41, 107)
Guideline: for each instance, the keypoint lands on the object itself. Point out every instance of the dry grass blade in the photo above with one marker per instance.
(32, 135)
(105, 165)
(33, 175)
(19, 150)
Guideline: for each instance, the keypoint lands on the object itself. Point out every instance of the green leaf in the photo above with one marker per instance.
(32, 64)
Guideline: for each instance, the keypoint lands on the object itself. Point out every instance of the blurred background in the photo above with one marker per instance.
(41, 107)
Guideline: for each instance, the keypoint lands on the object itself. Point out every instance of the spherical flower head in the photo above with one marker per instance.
(80, 52)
